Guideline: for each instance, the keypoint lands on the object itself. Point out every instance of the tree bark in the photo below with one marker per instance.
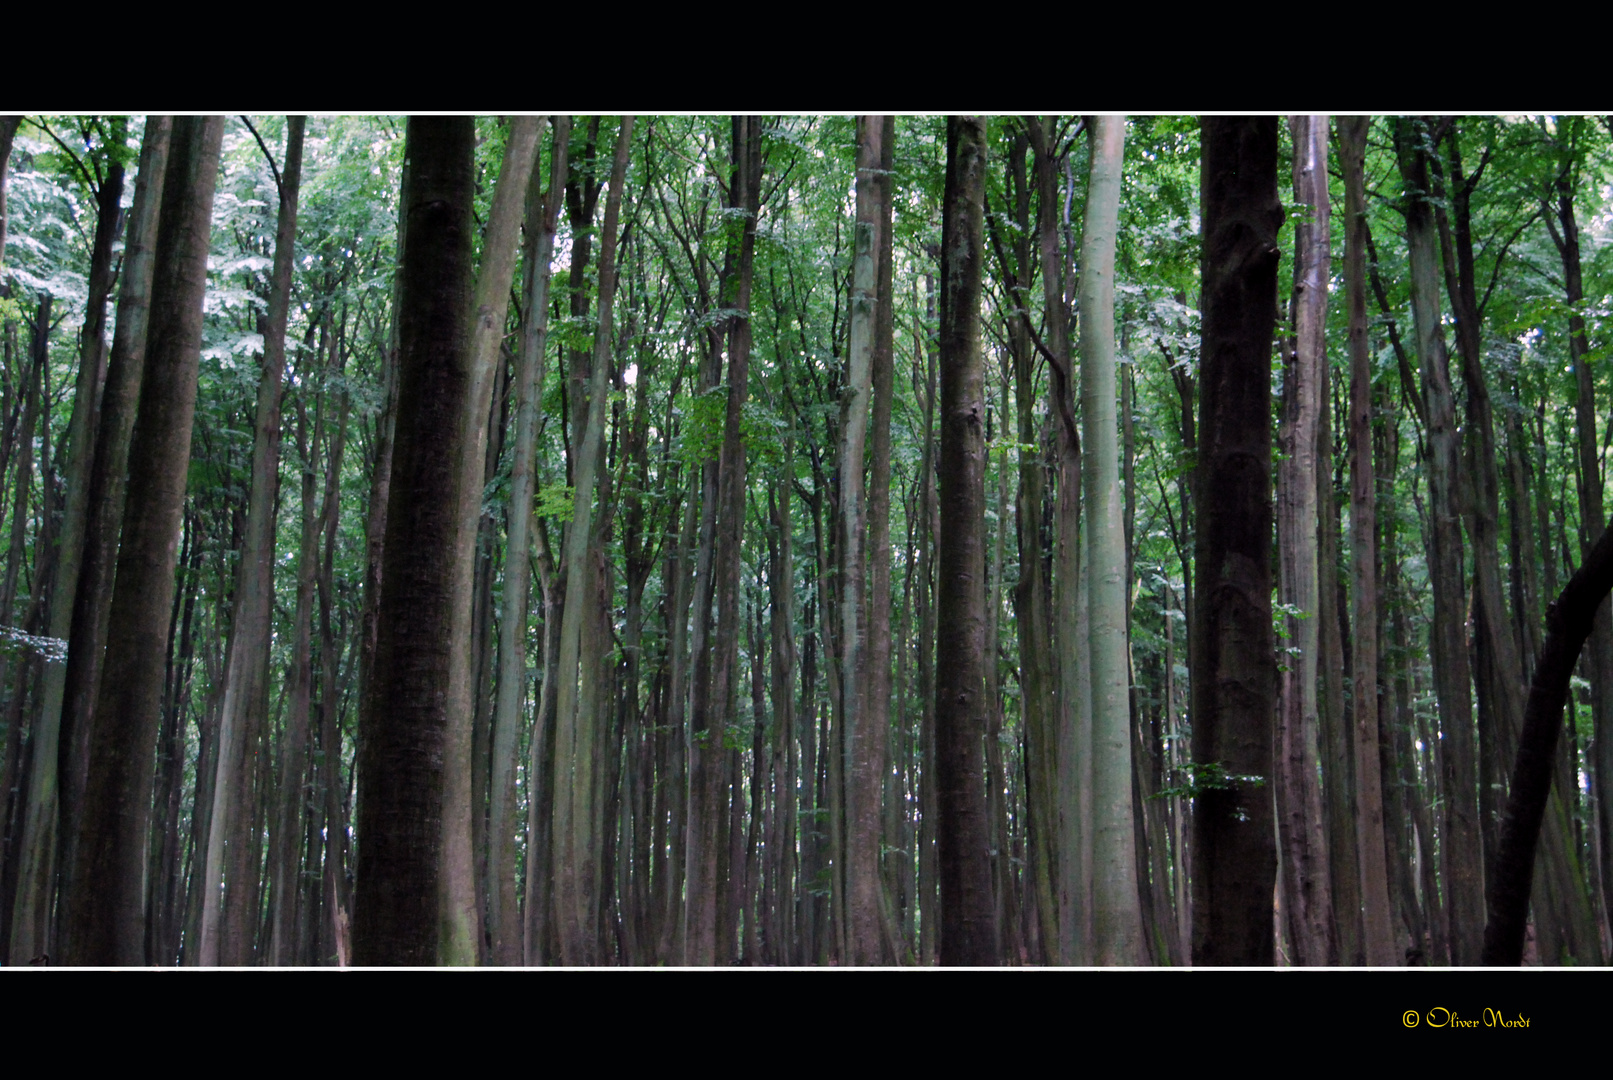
(104, 912)
(1234, 677)
(1460, 846)
(247, 670)
(577, 741)
(404, 719)
(543, 211)
(862, 738)
(1307, 877)
(1116, 919)
(1600, 650)
(36, 873)
(460, 914)
(107, 484)
(1569, 622)
(968, 930)
(1378, 935)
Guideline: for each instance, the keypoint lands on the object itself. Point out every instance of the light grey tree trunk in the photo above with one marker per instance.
(1116, 918)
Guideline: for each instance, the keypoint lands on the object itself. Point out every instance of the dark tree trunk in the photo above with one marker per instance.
(403, 723)
(107, 484)
(968, 932)
(1234, 677)
(104, 915)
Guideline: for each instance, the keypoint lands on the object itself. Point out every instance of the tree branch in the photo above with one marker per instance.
(278, 187)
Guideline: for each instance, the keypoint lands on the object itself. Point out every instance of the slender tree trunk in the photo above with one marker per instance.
(1307, 879)
(461, 933)
(1378, 940)
(1116, 920)
(107, 483)
(1070, 726)
(1460, 846)
(104, 914)
(576, 737)
(247, 671)
(543, 211)
(1033, 619)
(861, 736)
(929, 899)
(36, 872)
(1234, 674)
(968, 933)
(291, 789)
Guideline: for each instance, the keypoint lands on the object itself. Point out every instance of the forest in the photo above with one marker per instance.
(803, 540)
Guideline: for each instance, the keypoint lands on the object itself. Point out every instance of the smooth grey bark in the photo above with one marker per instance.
(104, 911)
(1116, 918)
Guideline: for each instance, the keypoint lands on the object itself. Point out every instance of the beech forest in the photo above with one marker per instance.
(804, 540)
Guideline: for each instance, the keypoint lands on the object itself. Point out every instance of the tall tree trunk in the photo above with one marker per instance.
(36, 873)
(1234, 674)
(247, 671)
(1460, 847)
(929, 897)
(291, 787)
(862, 736)
(461, 923)
(543, 211)
(968, 933)
(107, 484)
(1599, 649)
(1116, 919)
(1069, 735)
(1378, 936)
(1033, 620)
(1307, 878)
(104, 911)
(403, 724)
(879, 545)
(576, 738)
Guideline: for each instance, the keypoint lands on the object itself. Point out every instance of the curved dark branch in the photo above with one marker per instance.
(1568, 625)
(273, 168)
